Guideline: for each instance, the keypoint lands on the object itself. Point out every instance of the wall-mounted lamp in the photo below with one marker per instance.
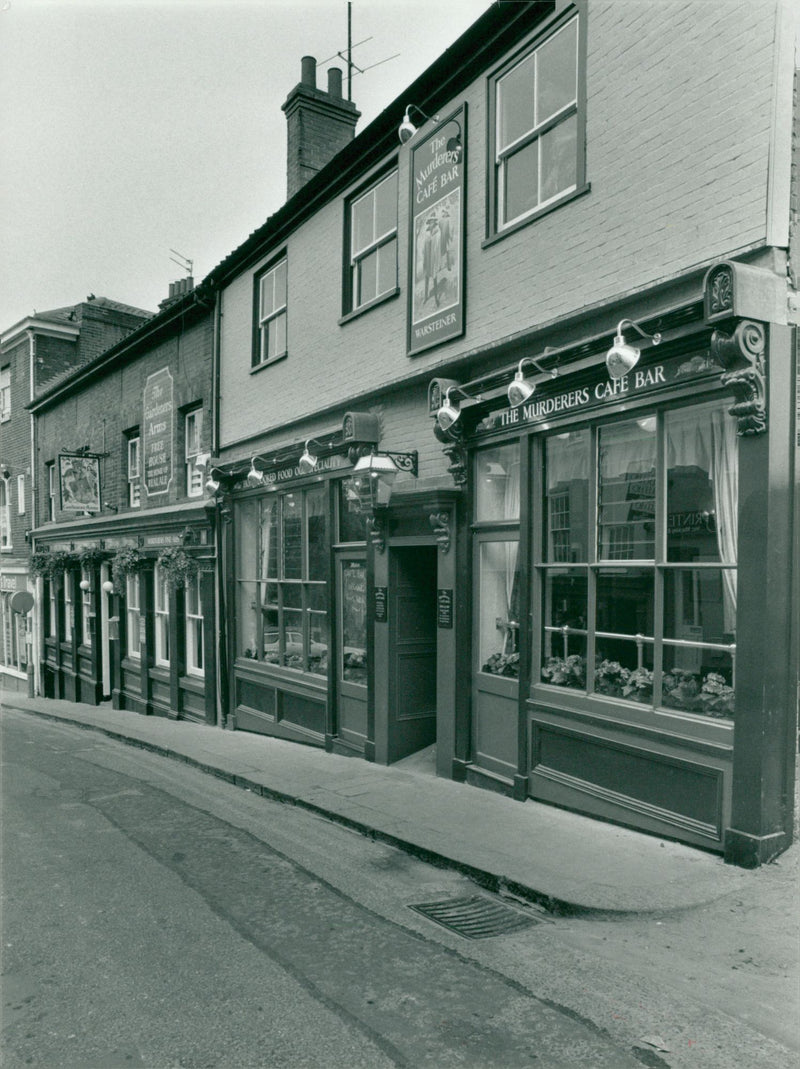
(108, 586)
(374, 476)
(307, 462)
(520, 389)
(85, 584)
(212, 484)
(449, 413)
(110, 507)
(254, 476)
(407, 129)
(621, 357)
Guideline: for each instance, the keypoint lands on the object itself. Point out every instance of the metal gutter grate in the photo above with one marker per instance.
(474, 917)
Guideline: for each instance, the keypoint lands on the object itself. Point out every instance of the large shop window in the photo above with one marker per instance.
(372, 230)
(497, 498)
(133, 615)
(161, 585)
(538, 129)
(282, 555)
(641, 605)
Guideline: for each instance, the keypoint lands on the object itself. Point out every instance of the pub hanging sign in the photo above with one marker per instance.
(436, 238)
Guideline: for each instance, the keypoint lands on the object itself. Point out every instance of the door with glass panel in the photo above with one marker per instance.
(351, 658)
(496, 623)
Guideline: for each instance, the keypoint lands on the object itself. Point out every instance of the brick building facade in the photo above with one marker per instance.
(123, 546)
(33, 354)
(565, 592)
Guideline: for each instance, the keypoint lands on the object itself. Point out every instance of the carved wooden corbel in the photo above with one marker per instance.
(440, 523)
(741, 352)
(376, 532)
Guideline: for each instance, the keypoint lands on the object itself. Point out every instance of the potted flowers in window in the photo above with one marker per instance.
(565, 671)
(610, 678)
(178, 566)
(503, 664)
(639, 686)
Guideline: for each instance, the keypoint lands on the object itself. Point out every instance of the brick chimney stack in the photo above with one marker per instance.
(319, 124)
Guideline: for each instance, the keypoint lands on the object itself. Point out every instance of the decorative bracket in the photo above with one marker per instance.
(742, 354)
(376, 532)
(440, 523)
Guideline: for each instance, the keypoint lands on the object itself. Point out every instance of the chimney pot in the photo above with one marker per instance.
(308, 71)
(335, 82)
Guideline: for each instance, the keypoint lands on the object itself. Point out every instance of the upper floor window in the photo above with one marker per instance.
(193, 438)
(51, 490)
(538, 140)
(372, 230)
(5, 392)
(21, 495)
(134, 455)
(271, 313)
(5, 519)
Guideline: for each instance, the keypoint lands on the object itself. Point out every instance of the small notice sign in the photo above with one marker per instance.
(444, 608)
(381, 604)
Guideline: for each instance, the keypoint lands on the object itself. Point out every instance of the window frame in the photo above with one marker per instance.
(495, 228)
(5, 393)
(6, 542)
(193, 474)
(21, 503)
(134, 476)
(660, 566)
(133, 612)
(194, 623)
(350, 261)
(161, 606)
(86, 609)
(257, 360)
(51, 490)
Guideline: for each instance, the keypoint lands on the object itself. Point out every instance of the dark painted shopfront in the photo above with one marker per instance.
(128, 610)
(624, 534)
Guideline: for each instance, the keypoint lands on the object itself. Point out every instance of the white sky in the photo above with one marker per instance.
(130, 127)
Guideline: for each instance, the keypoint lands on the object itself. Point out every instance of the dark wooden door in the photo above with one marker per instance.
(412, 657)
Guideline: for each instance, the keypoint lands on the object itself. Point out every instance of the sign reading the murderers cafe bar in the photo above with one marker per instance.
(596, 388)
(157, 427)
(436, 238)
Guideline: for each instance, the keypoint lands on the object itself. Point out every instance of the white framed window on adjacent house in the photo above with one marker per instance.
(134, 461)
(51, 490)
(194, 628)
(5, 393)
(270, 340)
(5, 516)
(193, 438)
(133, 615)
(162, 617)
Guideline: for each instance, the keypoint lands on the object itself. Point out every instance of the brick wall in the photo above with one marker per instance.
(677, 137)
(53, 357)
(99, 414)
(15, 450)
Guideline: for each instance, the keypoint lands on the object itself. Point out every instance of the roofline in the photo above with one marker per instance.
(502, 24)
(42, 326)
(150, 329)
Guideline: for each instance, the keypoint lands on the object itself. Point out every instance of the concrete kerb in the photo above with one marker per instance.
(491, 881)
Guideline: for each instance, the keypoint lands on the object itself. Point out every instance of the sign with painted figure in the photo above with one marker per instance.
(436, 239)
(79, 482)
(157, 432)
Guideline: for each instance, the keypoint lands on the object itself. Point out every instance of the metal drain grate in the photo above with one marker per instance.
(474, 917)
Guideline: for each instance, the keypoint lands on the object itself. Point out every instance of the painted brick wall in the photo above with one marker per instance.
(677, 138)
(100, 413)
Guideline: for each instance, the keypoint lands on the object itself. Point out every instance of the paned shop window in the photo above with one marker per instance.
(372, 233)
(161, 585)
(133, 615)
(13, 648)
(281, 570)
(194, 628)
(538, 129)
(270, 341)
(638, 567)
(497, 498)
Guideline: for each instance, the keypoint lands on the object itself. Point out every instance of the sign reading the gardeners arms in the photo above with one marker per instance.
(157, 432)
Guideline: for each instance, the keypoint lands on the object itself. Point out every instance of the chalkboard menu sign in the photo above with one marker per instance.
(444, 608)
(381, 604)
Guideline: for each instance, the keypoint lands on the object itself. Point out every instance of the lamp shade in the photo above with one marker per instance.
(373, 477)
(448, 413)
(520, 389)
(621, 357)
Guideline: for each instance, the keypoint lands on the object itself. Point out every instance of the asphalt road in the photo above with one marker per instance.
(143, 927)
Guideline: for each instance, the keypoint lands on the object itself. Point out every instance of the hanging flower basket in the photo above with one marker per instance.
(91, 558)
(178, 567)
(51, 565)
(125, 562)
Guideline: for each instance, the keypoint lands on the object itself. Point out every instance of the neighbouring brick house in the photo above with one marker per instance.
(123, 546)
(33, 354)
(583, 588)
